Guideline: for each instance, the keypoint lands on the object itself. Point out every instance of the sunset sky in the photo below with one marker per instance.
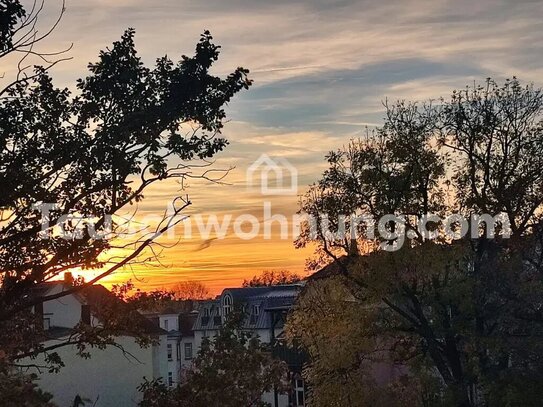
(321, 70)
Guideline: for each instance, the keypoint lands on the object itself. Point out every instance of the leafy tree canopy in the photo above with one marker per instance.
(92, 151)
(231, 369)
(459, 318)
(272, 277)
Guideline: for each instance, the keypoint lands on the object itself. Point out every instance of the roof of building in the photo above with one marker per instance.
(257, 302)
(100, 299)
(241, 293)
(335, 268)
(97, 296)
(186, 322)
(209, 316)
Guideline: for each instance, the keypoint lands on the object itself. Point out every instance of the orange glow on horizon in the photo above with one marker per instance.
(224, 264)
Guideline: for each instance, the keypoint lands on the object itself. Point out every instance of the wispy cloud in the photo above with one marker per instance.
(322, 69)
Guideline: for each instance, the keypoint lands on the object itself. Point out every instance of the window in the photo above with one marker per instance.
(188, 351)
(299, 392)
(227, 304)
(170, 379)
(169, 351)
(166, 325)
(255, 311)
(46, 324)
(205, 317)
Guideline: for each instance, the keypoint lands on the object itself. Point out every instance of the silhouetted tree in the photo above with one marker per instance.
(92, 153)
(273, 277)
(464, 315)
(191, 290)
(18, 390)
(231, 369)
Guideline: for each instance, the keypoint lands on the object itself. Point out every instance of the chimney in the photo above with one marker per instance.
(68, 278)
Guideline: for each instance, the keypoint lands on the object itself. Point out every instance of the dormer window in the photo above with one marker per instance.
(256, 309)
(227, 304)
(205, 316)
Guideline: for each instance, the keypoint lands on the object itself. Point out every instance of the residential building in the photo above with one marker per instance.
(179, 343)
(266, 310)
(110, 376)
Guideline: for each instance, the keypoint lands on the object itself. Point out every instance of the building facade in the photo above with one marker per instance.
(265, 310)
(110, 376)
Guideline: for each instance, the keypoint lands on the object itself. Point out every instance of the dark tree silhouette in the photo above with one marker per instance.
(272, 277)
(464, 314)
(191, 290)
(91, 153)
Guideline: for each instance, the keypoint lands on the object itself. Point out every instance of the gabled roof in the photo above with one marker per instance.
(98, 298)
(335, 268)
(42, 289)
